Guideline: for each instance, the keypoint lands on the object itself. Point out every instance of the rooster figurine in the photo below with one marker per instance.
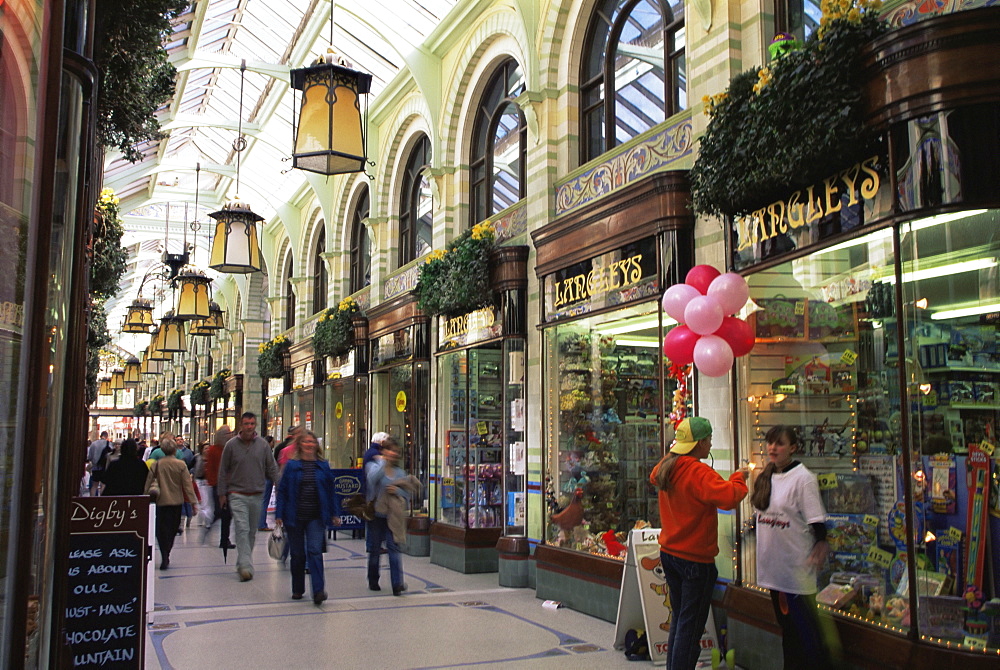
(572, 516)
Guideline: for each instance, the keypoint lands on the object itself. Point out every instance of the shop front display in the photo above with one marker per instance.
(399, 382)
(605, 384)
(481, 418)
(346, 411)
(877, 310)
(273, 404)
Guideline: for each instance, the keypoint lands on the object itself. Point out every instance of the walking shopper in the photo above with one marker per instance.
(374, 449)
(265, 500)
(791, 547)
(127, 475)
(247, 463)
(213, 458)
(306, 504)
(174, 481)
(97, 455)
(690, 493)
(391, 489)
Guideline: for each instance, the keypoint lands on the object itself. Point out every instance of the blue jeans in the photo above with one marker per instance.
(306, 546)
(264, 502)
(690, 585)
(379, 529)
(245, 510)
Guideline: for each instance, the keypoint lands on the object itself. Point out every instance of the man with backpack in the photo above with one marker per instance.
(97, 461)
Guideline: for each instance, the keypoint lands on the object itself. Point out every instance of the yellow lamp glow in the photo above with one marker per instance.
(118, 380)
(192, 303)
(171, 337)
(235, 248)
(150, 366)
(132, 371)
(329, 138)
(139, 318)
(104, 388)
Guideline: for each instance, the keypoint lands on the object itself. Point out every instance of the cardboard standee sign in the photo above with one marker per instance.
(644, 600)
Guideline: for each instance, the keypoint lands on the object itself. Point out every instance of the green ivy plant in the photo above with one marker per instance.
(110, 260)
(791, 124)
(334, 334)
(98, 337)
(199, 393)
(136, 77)
(175, 400)
(456, 280)
(217, 389)
(270, 361)
(156, 404)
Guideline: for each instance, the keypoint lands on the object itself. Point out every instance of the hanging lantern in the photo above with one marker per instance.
(171, 336)
(329, 138)
(132, 371)
(104, 388)
(215, 320)
(154, 354)
(150, 366)
(139, 318)
(196, 329)
(235, 248)
(192, 303)
(118, 380)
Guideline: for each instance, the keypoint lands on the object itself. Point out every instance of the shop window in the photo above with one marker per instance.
(361, 258)
(498, 145)
(634, 48)
(289, 294)
(832, 336)
(416, 216)
(950, 315)
(319, 272)
(797, 17)
(603, 380)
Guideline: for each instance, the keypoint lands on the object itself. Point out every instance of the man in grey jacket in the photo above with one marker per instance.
(247, 462)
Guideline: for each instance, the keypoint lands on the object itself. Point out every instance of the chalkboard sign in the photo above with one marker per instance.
(105, 610)
(346, 483)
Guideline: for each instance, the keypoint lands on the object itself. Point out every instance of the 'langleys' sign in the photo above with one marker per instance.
(478, 326)
(844, 193)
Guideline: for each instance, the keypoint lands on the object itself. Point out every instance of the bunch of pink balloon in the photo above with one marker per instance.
(707, 336)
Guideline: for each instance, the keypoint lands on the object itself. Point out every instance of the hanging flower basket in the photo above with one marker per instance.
(174, 401)
(334, 334)
(792, 123)
(156, 404)
(271, 361)
(217, 389)
(199, 393)
(456, 280)
(140, 408)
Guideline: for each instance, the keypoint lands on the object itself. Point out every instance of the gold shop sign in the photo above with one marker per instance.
(803, 208)
(598, 281)
(478, 326)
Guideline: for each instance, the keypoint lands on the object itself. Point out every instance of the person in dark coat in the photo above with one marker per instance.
(126, 476)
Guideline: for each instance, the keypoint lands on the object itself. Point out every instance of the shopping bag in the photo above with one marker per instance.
(276, 544)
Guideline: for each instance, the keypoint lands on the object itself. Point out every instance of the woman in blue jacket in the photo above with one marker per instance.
(306, 503)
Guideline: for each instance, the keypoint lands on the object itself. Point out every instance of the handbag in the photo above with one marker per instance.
(276, 543)
(358, 506)
(154, 487)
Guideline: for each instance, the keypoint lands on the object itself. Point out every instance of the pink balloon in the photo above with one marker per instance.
(712, 356)
(738, 335)
(679, 344)
(731, 291)
(676, 299)
(703, 315)
(701, 276)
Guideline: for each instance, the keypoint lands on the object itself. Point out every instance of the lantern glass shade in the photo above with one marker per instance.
(150, 366)
(235, 248)
(118, 380)
(197, 329)
(215, 320)
(132, 371)
(171, 337)
(329, 138)
(192, 303)
(105, 387)
(139, 318)
(154, 354)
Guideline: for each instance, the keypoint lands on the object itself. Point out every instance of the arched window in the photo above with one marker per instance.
(319, 271)
(634, 48)
(289, 294)
(498, 145)
(416, 215)
(361, 255)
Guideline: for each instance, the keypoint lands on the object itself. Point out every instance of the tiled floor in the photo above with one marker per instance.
(207, 618)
